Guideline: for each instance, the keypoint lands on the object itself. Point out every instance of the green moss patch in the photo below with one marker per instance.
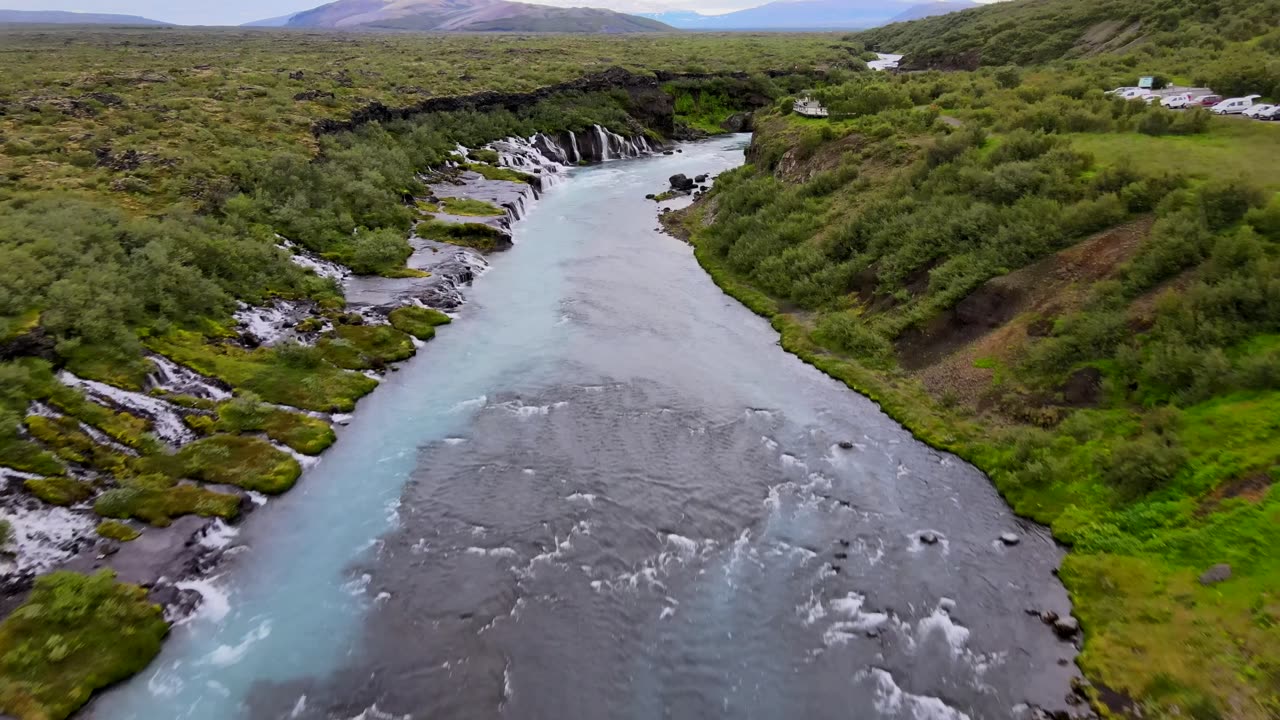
(246, 462)
(484, 238)
(419, 322)
(157, 500)
(303, 433)
(288, 375)
(59, 490)
(116, 530)
(466, 206)
(27, 457)
(365, 347)
(64, 436)
(74, 635)
(491, 172)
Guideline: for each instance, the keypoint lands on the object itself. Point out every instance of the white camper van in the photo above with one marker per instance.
(1234, 106)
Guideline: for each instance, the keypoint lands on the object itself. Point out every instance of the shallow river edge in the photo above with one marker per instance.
(906, 404)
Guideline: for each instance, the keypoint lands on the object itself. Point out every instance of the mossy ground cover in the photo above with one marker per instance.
(365, 347)
(420, 322)
(246, 414)
(74, 635)
(468, 206)
(293, 376)
(116, 530)
(158, 499)
(62, 491)
(243, 461)
(478, 236)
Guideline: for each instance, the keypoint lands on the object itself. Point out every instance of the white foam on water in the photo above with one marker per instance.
(522, 410)
(812, 610)
(666, 612)
(167, 423)
(215, 603)
(856, 622)
(357, 586)
(299, 707)
(373, 713)
(491, 552)
(454, 440)
(173, 377)
(588, 498)
(256, 497)
(225, 655)
(42, 535)
(769, 443)
(219, 535)
(474, 402)
(940, 621)
(166, 683)
(892, 701)
(316, 264)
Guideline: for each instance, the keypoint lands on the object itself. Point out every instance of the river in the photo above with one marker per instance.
(606, 492)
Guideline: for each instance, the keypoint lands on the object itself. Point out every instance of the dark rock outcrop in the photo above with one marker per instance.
(681, 183)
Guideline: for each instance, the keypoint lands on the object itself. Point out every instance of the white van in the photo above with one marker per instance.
(1234, 106)
(1257, 110)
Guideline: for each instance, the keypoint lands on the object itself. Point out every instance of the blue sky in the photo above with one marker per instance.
(236, 12)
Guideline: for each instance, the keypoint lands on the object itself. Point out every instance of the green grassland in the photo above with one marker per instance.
(859, 235)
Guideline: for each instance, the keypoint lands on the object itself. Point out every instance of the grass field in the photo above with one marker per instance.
(1235, 148)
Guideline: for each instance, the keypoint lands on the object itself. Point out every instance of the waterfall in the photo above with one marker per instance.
(604, 143)
(573, 144)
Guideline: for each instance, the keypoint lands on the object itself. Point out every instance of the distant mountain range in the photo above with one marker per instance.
(462, 15)
(811, 15)
(58, 17)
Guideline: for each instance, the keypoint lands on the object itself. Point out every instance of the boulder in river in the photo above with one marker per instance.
(1066, 627)
(845, 445)
(1216, 574)
(681, 183)
(1010, 539)
(929, 538)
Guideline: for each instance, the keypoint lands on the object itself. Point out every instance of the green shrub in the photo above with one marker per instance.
(1145, 464)
(75, 634)
(116, 530)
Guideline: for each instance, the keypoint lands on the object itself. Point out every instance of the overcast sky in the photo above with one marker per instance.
(236, 12)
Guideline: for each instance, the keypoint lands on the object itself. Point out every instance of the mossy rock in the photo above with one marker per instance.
(419, 322)
(467, 206)
(365, 347)
(116, 530)
(246, 462)
(490, 172)
(479, 236)
(157, 500)
(75, 634)
(62, 491)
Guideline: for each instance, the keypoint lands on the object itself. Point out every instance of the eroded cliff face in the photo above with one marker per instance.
(648, 104)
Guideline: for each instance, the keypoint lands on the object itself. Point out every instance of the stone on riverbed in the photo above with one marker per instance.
(1010, 539)
(846, 445)
(929, 538)
(1066, 627)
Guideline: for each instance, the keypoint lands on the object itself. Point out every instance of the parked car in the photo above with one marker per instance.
(1234, 106)
(1133, 94)
(1257, 110)
(1177, 102)
(1272, 114)
(1206, 100)
(1120, 90)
